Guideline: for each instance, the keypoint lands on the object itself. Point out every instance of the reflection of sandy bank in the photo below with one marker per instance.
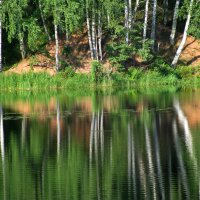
(192, 112)
(191, 108)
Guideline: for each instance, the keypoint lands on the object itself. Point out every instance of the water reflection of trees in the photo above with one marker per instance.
(128, 153)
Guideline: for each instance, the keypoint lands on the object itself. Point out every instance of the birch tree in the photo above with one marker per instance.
(153, 25)
(1, 67)
(15, 22)
(55, 7)
(89, 29)
(43, 20)
(180, 48)
(174, 24)
(165, 18)
(145, 21)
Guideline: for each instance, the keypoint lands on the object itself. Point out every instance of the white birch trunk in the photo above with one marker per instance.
(180, 48)
(108, 18)
(126, 21)
(89, 30)
(135, 11)
(22, 45)
(67, 34)
(174, 24)
(94, 44)
(100, 36)
(130, 15)
(57, 46)
(43, 21)
(153, 26)
(1, 67)
(145, 21)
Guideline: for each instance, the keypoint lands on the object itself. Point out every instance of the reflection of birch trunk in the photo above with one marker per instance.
(97, 134)
(69, 138)
(92, 136)
(143, 179)
(129, 158)
(131, 162)
(96, 130)
(180, 160)
(23, 131)
(159, 168)
(170, 176)
(2, 151)
(150, 162)
(184, 123)
(102, 137)
(58, 128)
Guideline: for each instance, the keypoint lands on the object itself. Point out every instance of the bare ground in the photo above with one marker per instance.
(79, 56)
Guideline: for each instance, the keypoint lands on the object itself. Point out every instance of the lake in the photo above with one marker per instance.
(123, 145)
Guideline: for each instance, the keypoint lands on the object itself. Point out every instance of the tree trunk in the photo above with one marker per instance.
(180, 48)
(135, 11)
(1, 67)
(145, 21)
(126, 21)
(153, 26)
(43, 21)
(89, 30)
(175, 17)
(67, 34)
(57, 46)
(130, 15)
(94, 38)
(100, 36)
(22, 45)
(165, 18)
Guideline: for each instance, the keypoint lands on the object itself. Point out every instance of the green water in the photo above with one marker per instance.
(124, 145)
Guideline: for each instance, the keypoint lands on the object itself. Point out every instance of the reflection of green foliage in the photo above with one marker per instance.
(35, 168)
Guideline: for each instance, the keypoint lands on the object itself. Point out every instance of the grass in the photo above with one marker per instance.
(181, 77)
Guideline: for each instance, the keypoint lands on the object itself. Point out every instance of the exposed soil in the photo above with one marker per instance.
(78, 54)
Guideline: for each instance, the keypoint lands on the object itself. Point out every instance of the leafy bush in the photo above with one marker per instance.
(187, 71)
(135, 73)
(119, 54)
(162, 67)
(97, 71)
(145, 52)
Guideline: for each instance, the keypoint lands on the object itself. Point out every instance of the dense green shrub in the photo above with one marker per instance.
(187, 71)
(135, 73)
(119, 53)
(97, 71)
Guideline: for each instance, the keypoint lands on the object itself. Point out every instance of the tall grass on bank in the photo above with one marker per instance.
(134, 77)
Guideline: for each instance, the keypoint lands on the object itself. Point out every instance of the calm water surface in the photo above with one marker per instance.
(125, 146)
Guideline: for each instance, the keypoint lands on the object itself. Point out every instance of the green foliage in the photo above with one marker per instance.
(97, 71)
(187, 72)
(119, 53)
(145, 51)
(135, 73)
(162, 67)
(68, 72)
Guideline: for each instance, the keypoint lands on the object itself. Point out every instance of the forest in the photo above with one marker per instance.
(107, 39)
